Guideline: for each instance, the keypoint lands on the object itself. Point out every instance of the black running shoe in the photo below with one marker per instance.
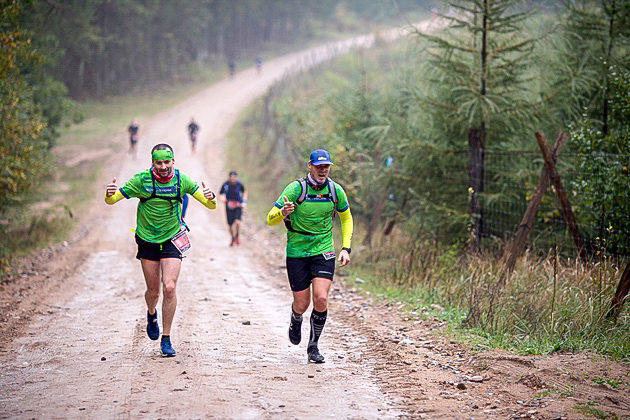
(295, 330)
(314, 355)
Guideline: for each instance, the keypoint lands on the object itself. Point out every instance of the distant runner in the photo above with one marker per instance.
(307, 207)
(193, 128)
(133, 138)
(259, 62)
(160, 232)
(234, 196)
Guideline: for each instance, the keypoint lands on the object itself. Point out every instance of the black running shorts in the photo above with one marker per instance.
(301, 271)
(155, 251)
(233, 214)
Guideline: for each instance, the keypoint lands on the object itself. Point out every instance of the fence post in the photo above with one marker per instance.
(567, 213)
(620, 295)
(517, 245)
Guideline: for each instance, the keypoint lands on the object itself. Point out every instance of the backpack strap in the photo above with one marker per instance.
(332, 191)
(303, 192)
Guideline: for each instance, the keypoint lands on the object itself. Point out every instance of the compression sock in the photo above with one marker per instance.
(295, 327)
(318, 319)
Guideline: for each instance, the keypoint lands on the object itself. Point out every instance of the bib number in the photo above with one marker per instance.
(329, 255)
(181, 241)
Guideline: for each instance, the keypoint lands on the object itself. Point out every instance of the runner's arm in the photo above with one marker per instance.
(116, 197)
(346, 228)
(274, 216)
(209, 203)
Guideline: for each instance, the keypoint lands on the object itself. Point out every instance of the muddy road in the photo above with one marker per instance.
(74, 325)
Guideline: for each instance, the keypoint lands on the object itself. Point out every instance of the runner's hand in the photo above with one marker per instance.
(344, 257)
(111, 188)
(207, 192)
(288, 207)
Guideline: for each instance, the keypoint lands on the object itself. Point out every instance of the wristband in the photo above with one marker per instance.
(347, 249)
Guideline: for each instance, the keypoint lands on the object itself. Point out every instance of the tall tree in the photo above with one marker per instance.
(23, 130)
(478, 70)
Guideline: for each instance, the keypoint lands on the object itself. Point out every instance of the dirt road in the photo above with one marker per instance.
(76, 346)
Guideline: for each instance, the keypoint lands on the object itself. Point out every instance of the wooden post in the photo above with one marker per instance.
(517, 245)
(620, 295)
(567, 213)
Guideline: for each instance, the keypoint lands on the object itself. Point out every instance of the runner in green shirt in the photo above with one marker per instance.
(307, 207)
(160, 232)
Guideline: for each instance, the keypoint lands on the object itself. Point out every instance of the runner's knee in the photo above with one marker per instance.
(320, 303)
(169, 291)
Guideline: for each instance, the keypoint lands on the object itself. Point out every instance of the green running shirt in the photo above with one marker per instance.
(314, 215)
(157, 220)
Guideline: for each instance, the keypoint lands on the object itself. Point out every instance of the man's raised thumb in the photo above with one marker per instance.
(286, 200)
(114, 180)
(203, 184)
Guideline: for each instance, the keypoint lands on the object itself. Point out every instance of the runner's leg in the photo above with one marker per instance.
(237, 228)
(301, 300)
(170, 273)
(151, 271)
(321, 287)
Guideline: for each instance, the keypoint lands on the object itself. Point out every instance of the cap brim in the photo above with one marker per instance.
(322, 163)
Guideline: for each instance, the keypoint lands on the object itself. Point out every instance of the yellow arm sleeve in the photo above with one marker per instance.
(112, 199)
(274, 216)
(346, 228)
(211, 204)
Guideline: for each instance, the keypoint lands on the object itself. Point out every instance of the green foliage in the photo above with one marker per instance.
(477, 74)
(604, 178)
(23, 129)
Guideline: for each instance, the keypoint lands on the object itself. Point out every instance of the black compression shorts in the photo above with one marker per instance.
(302, 271)
(156, 251)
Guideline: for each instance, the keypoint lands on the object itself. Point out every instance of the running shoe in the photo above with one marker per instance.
(295, 330)
(166, 348)
(232, 242)
(314, 355)
(153, 329)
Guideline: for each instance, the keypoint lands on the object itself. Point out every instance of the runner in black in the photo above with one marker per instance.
(233, 194)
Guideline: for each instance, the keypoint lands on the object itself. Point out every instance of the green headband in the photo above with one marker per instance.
(162, 155)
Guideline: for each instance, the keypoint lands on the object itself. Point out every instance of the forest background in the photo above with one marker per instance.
(433, 138)
(434, 141)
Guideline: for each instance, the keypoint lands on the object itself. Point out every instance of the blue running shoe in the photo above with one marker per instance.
(153, 329)
(166, 347)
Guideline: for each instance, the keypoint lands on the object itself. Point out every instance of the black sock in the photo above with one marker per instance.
(318, 319)
(295, 316)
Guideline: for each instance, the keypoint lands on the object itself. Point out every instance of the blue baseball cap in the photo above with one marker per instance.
(320, 157)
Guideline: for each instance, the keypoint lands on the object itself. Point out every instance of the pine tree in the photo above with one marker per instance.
(477, 69)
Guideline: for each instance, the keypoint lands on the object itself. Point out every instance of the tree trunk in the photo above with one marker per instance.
(476, 154)
(611, 35)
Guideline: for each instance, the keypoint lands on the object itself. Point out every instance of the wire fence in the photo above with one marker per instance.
(510, 178)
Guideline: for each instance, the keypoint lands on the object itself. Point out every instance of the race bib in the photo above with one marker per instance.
(181, 241)
(329, 255)
(233, 204)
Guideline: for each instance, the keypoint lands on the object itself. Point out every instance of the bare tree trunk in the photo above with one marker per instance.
(476, 154)
(611, 35)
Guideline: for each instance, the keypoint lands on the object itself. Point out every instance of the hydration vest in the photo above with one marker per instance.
(332, 196)
(165, 197)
